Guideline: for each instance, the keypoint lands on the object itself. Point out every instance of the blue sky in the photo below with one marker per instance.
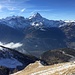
(51, 9)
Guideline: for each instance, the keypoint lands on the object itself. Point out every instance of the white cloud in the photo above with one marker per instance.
(11, 45)
(8, 7)
(23, 10)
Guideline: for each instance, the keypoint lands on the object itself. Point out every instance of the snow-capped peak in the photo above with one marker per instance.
(35, 15)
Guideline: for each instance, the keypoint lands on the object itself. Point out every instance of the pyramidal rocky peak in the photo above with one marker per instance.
(35, 15)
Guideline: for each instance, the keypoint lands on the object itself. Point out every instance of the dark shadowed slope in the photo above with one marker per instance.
(8, 34)
(13, 59)
(59, 56)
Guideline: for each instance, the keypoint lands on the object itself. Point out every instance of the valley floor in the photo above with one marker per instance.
(58, 69)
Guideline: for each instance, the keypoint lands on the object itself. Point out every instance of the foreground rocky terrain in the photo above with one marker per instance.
(59, 62)
(57, 69)
(52, 62)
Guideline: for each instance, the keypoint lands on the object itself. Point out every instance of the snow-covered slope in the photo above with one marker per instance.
(13, 59)
(38, 20)
(8, 59)
(15, 22)
(57, 69)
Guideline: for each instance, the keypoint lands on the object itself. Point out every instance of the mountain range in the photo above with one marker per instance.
(36, 20)
(48, 41)
(37, 34)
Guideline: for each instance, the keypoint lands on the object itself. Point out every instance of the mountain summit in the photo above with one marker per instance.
(36, 15)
